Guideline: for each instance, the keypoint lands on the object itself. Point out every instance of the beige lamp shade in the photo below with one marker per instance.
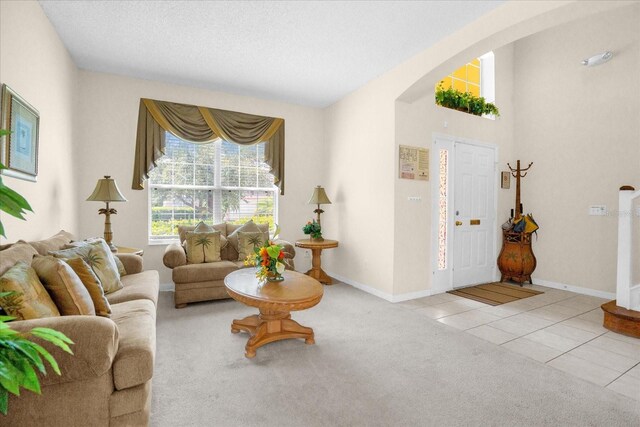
(106, 191)
(319, 197)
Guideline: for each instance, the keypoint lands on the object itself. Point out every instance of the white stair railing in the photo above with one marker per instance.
(627, 295)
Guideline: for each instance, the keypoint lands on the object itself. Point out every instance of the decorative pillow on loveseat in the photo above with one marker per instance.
(97, 254)
(233, 250)
(64, 286)
(248, 241)
(203, 247)
(30, 299)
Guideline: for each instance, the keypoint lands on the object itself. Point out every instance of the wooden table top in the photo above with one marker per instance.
(296, 292)
(310, 244)
(127, 250)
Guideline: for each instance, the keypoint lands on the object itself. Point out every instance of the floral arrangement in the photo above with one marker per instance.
(269, 258)
(313, 229)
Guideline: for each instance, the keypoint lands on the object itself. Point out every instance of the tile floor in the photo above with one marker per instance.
(559, 328)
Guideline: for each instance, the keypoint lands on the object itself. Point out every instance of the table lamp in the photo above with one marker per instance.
(319, 197)
(107, 191)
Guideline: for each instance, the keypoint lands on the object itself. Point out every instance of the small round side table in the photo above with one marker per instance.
(316, 250)
(126, 250)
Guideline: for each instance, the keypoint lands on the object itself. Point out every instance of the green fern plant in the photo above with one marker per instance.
(20, 358)
(465, 101)
(10, 201)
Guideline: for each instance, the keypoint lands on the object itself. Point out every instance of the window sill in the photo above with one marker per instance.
(162, 242)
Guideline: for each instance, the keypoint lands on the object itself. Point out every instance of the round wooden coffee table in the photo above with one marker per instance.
(275, 301)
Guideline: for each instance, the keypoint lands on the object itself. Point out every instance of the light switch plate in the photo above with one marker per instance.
(598, 210)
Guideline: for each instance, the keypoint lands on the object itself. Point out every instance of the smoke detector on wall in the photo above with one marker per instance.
(598, 59)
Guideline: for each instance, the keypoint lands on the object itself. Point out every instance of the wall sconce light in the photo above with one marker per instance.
(598, 59)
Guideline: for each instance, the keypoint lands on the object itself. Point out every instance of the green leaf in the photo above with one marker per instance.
(6, 318)
(9, 194)
(23, 347)
(54, 333)
(48, 357)
(53, 340)
(4, 396)
(9, 376)
(273, 251)
(29, 379)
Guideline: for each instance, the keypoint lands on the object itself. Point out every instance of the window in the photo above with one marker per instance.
(215, 182)
(476, 77)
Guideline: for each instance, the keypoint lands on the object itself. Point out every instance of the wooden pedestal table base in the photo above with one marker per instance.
(269, 327)
(275, 300)
(316, 261)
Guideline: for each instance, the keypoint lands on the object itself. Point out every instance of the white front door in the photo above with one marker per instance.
(474, 215)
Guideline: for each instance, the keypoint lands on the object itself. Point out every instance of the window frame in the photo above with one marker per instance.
(217, 188)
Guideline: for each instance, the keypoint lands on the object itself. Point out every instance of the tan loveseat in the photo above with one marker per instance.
(107, 382)
(205, 281)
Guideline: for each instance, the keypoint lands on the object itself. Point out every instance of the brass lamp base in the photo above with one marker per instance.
(108, 234)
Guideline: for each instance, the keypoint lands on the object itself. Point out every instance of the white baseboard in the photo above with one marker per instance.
(167, 287)
(378, 293)
(576, 289)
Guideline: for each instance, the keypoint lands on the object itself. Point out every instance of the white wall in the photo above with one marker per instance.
(580, 127)
(415, 124)
(360, 133)
(107, 123)
(35, 64)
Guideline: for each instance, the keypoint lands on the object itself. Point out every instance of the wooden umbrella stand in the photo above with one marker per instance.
(517, 260)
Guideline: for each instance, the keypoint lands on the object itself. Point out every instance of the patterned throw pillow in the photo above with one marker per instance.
(248, 226)
(121, 270)
(205, 228)
(248, 241)
(97, 254)
(30, 299)
(203, 247)
(64, 286)
(92, 283)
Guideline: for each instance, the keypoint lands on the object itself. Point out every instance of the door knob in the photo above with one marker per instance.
(458, 223)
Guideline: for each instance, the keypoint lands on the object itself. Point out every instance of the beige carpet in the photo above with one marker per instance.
(495, 293)
(374, 364)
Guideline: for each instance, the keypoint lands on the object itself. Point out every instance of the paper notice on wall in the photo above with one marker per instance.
(414, 163)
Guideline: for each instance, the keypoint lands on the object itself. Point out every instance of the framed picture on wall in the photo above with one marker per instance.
(19, 148)
(506, 180)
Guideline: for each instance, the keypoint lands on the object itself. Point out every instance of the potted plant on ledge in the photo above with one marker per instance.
(465, 102)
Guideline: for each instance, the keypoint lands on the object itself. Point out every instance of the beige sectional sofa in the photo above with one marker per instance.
(107, 381)
(204, 282)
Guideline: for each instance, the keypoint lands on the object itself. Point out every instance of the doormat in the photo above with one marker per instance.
(495, 293)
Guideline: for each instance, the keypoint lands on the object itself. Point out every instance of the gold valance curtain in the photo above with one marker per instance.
(202, 125)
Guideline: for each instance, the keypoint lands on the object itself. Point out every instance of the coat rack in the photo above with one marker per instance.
(516, 260)
(517, 174)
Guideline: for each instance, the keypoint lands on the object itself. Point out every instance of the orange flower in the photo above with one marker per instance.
(281, 255)
(263, 252)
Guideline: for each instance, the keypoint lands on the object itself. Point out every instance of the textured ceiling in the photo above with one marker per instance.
(310, 53)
